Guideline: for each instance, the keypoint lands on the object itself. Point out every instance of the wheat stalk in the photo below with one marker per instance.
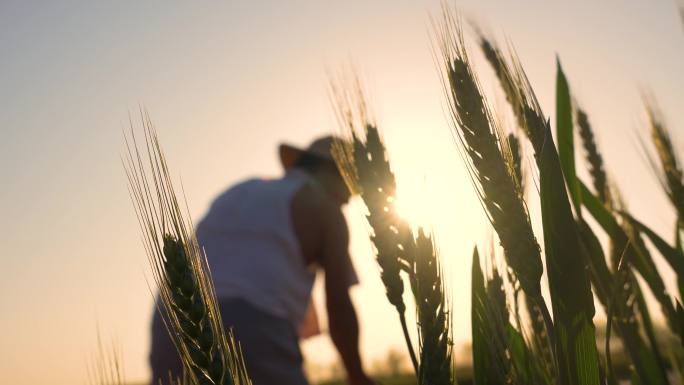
(179, 267)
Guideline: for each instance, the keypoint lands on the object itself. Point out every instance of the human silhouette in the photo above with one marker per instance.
(265, 239)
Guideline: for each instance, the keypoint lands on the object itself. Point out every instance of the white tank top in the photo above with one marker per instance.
(252, 249)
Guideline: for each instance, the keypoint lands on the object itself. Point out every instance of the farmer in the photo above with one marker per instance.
(265, 240)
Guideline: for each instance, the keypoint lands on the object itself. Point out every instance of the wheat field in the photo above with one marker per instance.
(592, 252)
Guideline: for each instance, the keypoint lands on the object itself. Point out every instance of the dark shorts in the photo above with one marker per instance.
(269, 345)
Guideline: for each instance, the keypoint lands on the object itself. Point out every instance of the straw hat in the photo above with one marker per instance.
(321, 148)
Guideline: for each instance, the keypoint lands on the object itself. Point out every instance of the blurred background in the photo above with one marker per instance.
(225, 83)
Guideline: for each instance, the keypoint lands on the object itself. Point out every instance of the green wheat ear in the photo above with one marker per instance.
(516, 161)
(669, 170)
(192, 312)
(189, 307)
(488, 159)
(434, 325)
(363, 163)
(367, 170)
(593, 158)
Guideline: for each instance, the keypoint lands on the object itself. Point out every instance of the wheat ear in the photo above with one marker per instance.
(478, 136)
(670, 173)
(190, 309)
(367, 171)
(516, 161)
(506, 77)
(593, 157)
(433, 316)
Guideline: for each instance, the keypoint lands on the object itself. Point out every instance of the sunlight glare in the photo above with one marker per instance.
(414, 205)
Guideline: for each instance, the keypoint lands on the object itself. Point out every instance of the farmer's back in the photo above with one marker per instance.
(252, 248)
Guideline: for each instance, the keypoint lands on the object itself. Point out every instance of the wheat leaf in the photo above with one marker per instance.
(565, 137)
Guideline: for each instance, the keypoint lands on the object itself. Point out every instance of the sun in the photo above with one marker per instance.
(441, 201)
(414, 206)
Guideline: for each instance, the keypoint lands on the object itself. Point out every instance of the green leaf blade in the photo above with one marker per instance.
(565, 136)
(571, 296)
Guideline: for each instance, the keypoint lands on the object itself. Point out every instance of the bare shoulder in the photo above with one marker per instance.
(315, 217)
(324, 237)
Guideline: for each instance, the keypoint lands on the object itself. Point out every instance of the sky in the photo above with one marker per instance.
(225, 83)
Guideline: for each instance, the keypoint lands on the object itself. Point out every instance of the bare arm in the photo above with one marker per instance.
(342, 320)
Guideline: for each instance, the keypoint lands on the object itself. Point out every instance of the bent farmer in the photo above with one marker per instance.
(264, 241)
